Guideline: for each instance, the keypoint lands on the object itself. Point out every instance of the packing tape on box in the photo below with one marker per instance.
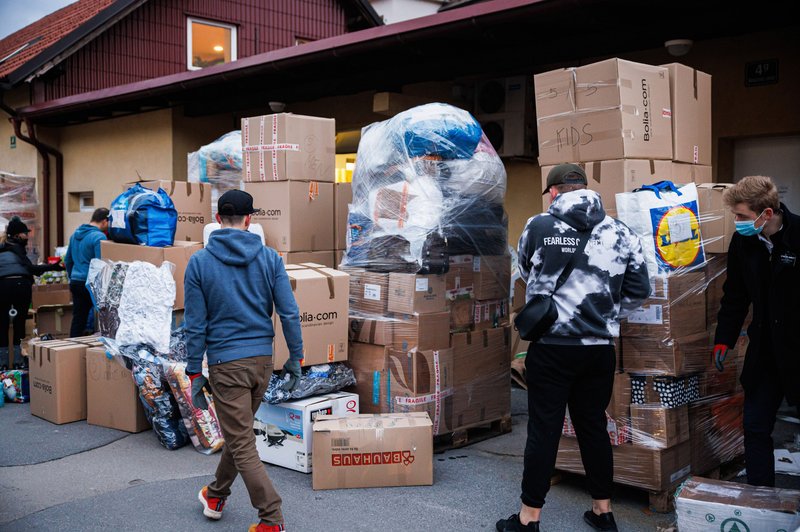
(329, 277)
(261, 147)
(313, 191)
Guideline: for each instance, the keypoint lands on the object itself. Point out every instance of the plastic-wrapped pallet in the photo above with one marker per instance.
(218, 163)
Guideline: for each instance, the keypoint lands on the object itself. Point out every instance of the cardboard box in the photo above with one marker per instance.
(492, 276)
(650, 469)
(55, 320)
(368, 451)
(619, 407)
(371, 331)
(460, 278)
(295, 215)
(179, 255)
(50, 294)
(422, 381)
(657, 427)
(618, 430)
(609, 178)
(676, 356)
(193, 203)
(339, 256)
(284, 432)
(461, 314)
(700, 501)
(716, 431)
(284, 146)
(690, 93)
(316, 257)
(321, 294)
(716, 221)
(669, 392)
(370, 363)
(112, 398)
(58, 382)
(684, 173)
(369, 291)
(416, 294)
(675, 308)
(613, 109)
(490, 314)
(518, 345)
(342, 198)
(518, 298)
(481, 376)
(420, 331)
(716, 273)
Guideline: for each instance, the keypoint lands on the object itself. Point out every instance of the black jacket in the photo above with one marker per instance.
(771, 282)
(14, 262)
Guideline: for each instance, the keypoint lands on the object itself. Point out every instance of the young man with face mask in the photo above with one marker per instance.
(763, 271)
(16, 287)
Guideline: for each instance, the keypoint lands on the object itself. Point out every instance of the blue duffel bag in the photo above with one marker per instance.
(142, 216)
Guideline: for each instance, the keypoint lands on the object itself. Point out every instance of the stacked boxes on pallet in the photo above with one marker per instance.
(429, 270)
(630, 125)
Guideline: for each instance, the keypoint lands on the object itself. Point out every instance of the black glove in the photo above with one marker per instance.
(199, 383)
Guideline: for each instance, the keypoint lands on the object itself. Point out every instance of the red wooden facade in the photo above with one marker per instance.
(151, 42)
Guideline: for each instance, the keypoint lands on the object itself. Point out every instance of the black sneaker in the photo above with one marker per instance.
(604, 522)
(512, 524)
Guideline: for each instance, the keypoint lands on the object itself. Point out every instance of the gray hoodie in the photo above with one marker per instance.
(608, 281)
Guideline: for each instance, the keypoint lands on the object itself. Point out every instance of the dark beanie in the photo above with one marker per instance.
(16, 227)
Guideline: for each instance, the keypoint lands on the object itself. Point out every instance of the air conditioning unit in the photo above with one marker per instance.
(504, 109)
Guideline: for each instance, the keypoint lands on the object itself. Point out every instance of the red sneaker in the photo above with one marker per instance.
(212, 506)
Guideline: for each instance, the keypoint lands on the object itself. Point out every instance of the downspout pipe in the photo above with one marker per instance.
(16, 121)
(59, 157)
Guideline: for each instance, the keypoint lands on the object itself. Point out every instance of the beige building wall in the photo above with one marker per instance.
(189, 134)
(22, 159)
(100, 157)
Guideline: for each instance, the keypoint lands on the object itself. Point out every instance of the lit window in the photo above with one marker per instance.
(209, 43)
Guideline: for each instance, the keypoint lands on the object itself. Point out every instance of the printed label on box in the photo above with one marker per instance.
(651, 315)
(476, 264)
(372, 292)
(680, 474)
(422, 284)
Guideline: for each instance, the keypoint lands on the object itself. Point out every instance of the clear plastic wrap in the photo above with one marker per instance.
(218, 163)
(703, 504)
(315, 380)
(18, 198)
(427, 184)
(15, 386)
(134, 301)
(160, 406)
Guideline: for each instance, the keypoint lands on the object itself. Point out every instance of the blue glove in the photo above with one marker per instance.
(199, 383)
(292, 369)
(720, 352)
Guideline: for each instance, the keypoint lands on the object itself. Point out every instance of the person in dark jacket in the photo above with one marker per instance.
(763, 271)
(16, 285)
(231, 288)
(573, 363)
(84, 245)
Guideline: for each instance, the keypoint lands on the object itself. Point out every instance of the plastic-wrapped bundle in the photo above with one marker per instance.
(201, 425)
(316, 380)
(145, 306)
(427, 183)
(220, 164)
(142, 216)
(105, 282)
(160, 406)
(14, 385)
(18, 198)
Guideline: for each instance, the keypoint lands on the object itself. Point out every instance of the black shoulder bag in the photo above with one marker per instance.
(540, 313)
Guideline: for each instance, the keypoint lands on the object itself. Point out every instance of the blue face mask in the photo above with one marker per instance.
(748, 227)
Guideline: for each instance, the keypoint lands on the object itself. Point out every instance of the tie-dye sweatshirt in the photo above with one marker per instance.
(608, 281)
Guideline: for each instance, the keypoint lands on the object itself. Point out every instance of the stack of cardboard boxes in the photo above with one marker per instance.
(288, 167)
(631, 125)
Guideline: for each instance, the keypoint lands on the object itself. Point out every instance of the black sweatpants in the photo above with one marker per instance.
(81, 307)
(17, 293)
(581, 377)
(762, 399)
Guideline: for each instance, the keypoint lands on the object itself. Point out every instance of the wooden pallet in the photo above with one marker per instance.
(659, 501)
(470, 434)
(727, 471)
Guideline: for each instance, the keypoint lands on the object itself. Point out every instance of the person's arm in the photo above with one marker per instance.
(195, 317)
(68, 262)
(286, 307)
(735, 302)
(523, 253)
(636, 280)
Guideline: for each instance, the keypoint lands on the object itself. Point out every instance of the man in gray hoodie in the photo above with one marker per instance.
(573, 363)
(231, 288)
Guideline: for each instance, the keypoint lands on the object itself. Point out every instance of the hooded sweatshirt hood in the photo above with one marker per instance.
(581, 209)
(234, 246)
(84, 245)
(83, 231)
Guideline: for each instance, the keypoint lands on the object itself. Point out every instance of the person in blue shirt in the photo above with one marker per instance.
(231, 288)
(84, 245)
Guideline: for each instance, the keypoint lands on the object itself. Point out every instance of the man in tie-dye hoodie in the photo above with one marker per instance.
(573, 364)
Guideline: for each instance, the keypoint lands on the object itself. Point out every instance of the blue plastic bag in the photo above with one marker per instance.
(142, 216)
